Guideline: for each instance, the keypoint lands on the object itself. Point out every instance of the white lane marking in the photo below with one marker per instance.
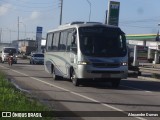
(136, 88)
(80, 95)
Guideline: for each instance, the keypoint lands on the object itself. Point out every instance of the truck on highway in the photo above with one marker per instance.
(27, 49)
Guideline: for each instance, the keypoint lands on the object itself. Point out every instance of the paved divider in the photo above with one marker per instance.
(149, 78)
(149, 70)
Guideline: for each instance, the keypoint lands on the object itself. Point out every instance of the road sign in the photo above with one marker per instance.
(39, 29)
(38, 38)
(113, 13)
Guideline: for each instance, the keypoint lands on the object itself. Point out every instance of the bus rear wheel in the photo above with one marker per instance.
(115, 83)
(75, 80)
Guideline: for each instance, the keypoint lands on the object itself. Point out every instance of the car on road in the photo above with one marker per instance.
(37, 58)
(5, 53)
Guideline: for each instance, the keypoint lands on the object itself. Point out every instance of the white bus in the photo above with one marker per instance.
(87, 51)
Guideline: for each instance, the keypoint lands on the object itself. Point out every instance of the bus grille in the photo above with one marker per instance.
(106, 65)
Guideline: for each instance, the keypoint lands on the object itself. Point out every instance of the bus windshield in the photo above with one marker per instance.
(102, 41)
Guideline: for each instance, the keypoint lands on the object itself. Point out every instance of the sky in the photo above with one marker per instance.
(136, 16)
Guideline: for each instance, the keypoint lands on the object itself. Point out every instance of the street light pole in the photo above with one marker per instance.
(25, 28)
(18, 28)
(0, 35)
(60, 22)
(9, 30)
(90, 9)
(10, 36)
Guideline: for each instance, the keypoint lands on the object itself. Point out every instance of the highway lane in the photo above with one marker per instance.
(132, 95)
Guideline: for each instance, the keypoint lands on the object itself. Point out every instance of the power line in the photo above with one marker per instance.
(157, 18)
(33, 2)
(15, 31)
(21, 10)
(47, 10)
(137, 26)
(24, 6)
(135, 22)
(27, 2)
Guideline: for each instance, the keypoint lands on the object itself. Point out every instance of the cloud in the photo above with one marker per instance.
(34, 15)
(4, 9)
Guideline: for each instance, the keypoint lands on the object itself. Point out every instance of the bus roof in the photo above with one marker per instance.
(81, 24)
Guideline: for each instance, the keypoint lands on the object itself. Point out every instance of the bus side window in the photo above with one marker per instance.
(71, 39)
(74, 41)
(49, 41)
(56, 40)
(62, 43)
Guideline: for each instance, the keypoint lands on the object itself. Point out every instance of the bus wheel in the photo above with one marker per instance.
(74, 79)
(55, 77)
(115, 83)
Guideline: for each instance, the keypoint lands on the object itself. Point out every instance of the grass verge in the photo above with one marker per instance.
(14, 100)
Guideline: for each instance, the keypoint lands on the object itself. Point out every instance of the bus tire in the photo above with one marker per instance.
(55, 77)
(115, 83)
(75, 80)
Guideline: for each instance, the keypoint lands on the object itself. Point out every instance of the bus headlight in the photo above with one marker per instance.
(82, 63)
(124, 63)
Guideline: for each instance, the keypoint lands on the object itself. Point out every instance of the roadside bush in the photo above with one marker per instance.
(12, 99)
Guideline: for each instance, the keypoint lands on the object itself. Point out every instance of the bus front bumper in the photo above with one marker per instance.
(94, 73)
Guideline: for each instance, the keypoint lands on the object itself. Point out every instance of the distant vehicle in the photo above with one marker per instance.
(81, 51)
(27, 49)
(6, 51)
(37, 58)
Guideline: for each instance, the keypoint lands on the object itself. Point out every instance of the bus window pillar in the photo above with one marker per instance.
(155, 57)
(135, 61)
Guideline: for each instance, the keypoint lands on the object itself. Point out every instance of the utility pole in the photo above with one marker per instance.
(61, 5)
(10, 35)
(25, 29)
(106, 17)
(0, 35)
(18, 28)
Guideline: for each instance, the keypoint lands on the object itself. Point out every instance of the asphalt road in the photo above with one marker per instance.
(93, 98)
